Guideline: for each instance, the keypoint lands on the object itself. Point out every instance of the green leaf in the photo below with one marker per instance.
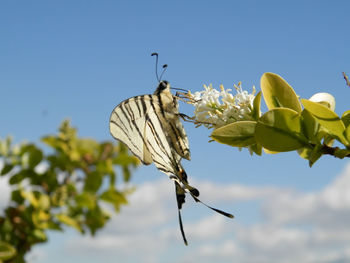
(35, 157)
(280, 130)
(256, 106)
(86, 199)
(304, 152)
(41, 218)
(17, 197)
(126, 173)
(315, 154)
(114, 197)
(65, 219)
(6, 251)
(310, 126)
(93, 182)
(327, 118)
(256, 148)
(96, 219)
(346, 118)
(17, 178)
(39, 234)
(126, 159)
(278, 93)
(6, 169)
(238, 134)
(52, 141)
(30, 197)
(347, 133)
(22, 174)
(31, 155)
(44, 202)
(5, 146)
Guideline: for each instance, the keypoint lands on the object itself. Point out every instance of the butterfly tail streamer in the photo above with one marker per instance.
(195, 193)
(182, 229)
(180, 199)
(212, 208)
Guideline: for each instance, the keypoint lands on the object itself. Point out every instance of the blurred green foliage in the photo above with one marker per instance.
(65, 186)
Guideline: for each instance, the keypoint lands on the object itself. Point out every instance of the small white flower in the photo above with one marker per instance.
(215, 108)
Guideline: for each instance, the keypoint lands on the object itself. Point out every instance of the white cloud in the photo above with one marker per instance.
(295, 226)
(319, 208)
(5, 192)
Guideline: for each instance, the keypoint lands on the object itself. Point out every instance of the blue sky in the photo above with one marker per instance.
(79, 59)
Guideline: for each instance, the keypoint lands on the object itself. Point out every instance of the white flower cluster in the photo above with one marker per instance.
(214, 108)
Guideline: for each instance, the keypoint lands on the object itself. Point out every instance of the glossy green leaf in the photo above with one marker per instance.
(310, 126)
(327, 118)
(278, 93)
(256, 148)
(305, 152)
(256, 106)
(7, 251)
(238, 134)
(347, 133)
(315, 154)
(280, 130)
(346, 118)
(324, 135)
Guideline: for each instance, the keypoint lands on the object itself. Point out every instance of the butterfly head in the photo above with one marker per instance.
(163, 85)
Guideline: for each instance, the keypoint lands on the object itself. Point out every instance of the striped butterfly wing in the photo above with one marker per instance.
(151, 129)
(128, 123)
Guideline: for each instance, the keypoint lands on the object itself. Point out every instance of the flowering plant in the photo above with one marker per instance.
(215, 108)
(237, 121)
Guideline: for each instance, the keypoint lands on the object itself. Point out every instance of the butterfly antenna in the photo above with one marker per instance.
(179, 89)
(165, 66)
(156, 54)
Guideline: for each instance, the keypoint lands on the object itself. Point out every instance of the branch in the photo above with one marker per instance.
(331, 150)
(346, 79)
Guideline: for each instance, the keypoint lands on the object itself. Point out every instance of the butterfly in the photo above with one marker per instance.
(149, 125)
